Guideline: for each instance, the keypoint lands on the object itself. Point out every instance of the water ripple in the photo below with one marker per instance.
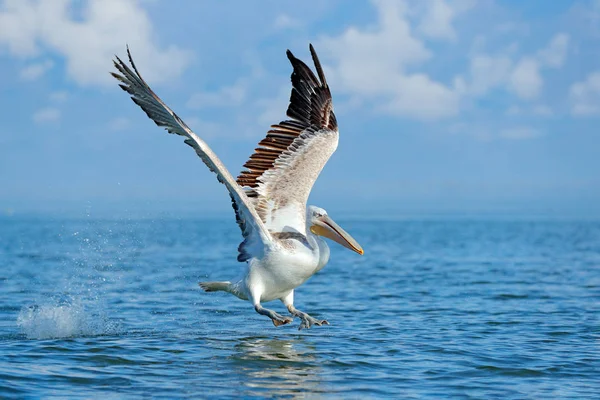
(435, 309)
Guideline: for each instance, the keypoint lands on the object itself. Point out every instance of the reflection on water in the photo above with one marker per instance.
(281, 367)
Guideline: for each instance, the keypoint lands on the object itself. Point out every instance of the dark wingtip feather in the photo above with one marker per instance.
(129, 54)
(117, 76)
(133, 64)
(126, 88)
(289, 55)
(317, 63)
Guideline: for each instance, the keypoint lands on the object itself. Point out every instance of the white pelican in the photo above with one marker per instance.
(283, 244)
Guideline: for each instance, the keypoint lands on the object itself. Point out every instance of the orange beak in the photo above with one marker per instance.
(326, 227)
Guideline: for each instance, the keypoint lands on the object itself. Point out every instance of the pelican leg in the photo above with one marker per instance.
(276, 318)
(307, 320)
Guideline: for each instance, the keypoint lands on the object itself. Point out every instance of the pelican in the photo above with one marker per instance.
(283, 242)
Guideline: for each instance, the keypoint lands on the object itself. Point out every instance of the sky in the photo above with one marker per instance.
(443, 106)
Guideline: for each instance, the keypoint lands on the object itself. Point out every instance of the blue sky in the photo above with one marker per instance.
(443, 106)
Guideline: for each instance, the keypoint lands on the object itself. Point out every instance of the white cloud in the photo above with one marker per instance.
(437, 17)
(273, 109)
(519, 133)
(487, 72)
(284, 21)
(372, 63)
(251, 112)
(554, 55)
(59, 96)
(538, 110)
(19, 27)
(375, 63)
(35, 71)
(474, 130)
(209, 129)
(487, 132)
(585, 96)
(119, 124)
(421, 97)
(88, 43)
(46, 115)
(525, 79)
(227, 96)
(437, 21)
(542, 110)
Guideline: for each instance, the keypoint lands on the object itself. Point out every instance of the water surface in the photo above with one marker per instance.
(458, 308)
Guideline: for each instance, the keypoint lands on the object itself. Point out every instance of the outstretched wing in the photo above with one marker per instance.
(253, 229)
(281, 172)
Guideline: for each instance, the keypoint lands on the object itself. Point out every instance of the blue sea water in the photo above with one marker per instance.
(448, 308)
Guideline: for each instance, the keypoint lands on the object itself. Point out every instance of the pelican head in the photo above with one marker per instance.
(320, 224)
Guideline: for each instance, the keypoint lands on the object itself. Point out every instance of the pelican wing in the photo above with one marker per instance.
(253, 229)
(281, 172)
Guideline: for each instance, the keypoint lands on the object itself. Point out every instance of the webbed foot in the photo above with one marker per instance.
(281, 320)
(307, 320)
(277, 319)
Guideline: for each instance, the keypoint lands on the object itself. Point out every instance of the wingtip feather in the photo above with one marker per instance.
(317, 63)
(290, 55)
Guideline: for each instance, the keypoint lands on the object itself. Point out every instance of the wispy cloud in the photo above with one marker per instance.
(555, 54)
(542, 110)
(284, 21)
(47, 115)
(585, 96)
(207, 129)
(486, 132)
(523, 77)
(519, 133)
(34, 71)
(488, 72)
(59, 96)
(226, 96)
(538, 110)
(119, 124)
(272, 110)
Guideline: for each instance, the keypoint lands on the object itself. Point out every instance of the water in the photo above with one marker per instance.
(436, 309)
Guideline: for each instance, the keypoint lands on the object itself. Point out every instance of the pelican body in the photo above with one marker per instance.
(283, 242)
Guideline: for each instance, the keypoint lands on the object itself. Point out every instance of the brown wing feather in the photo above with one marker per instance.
(310, 108)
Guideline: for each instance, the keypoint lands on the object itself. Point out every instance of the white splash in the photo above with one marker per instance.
(64, 320)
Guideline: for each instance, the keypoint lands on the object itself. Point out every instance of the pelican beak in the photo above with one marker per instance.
(325, 226)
